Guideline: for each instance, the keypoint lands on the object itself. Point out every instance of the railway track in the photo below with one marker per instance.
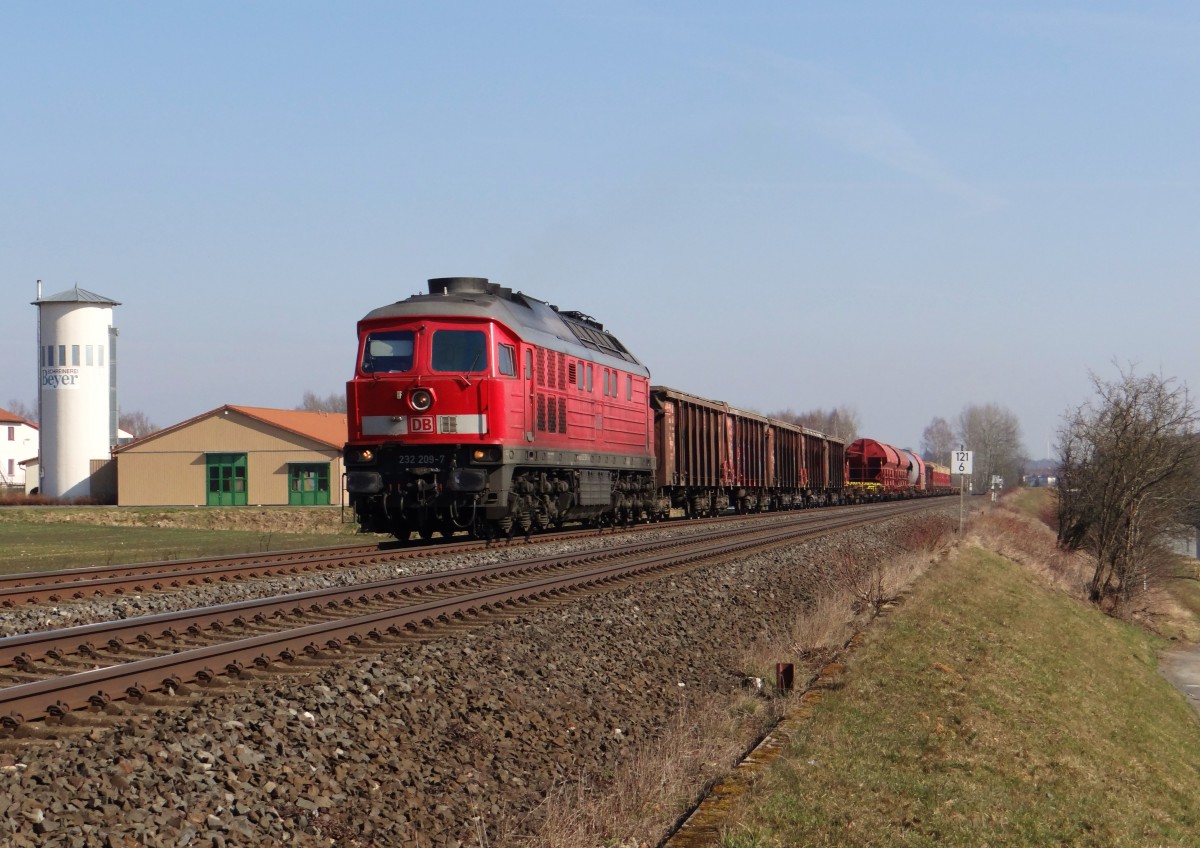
(51, 674)
(98, 581)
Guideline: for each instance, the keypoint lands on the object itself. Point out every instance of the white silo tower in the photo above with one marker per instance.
(77, 388)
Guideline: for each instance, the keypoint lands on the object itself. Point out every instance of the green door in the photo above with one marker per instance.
(226, 479)
(308, 484)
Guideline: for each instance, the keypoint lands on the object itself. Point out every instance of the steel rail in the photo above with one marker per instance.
(133, 569)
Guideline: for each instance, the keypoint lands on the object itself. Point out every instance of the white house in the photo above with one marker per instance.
(18, 443)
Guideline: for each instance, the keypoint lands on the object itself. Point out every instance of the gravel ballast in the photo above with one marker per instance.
(453, 741)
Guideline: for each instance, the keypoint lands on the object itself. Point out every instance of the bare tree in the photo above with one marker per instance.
(24, 410)
(841, 421)
(938, 441)
(1129, 469)
(335, 402)
(137, 424)
(994, 434)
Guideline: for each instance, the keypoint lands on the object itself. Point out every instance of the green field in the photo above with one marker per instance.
(993, 711)
(45, 538)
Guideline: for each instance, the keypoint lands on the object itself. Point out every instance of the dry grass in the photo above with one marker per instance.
(1021, 529)
(1021, 534)
(19, 498)
(667, 776)
(660, 781)
(989, 712)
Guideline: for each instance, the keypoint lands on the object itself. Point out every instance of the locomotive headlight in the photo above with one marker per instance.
(366, 455)
(420, 399)
(486, 455)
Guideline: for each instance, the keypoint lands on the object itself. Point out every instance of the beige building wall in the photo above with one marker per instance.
(171, 469)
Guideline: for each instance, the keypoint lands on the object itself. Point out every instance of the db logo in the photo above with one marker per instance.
(423, 424)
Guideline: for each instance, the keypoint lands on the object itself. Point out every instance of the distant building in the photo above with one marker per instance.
(237, 456)
(18, 445)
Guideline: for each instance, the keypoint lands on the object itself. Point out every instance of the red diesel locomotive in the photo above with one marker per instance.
(477, 408)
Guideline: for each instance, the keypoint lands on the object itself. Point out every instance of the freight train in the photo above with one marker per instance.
(476, 408)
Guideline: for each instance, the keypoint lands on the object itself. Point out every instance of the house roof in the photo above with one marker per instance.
(328, 428)
(7, 417)
(77, 295)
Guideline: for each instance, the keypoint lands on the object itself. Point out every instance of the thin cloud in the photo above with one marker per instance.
(847, 115)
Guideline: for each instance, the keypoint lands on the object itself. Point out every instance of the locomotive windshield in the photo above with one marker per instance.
(460, 350)
(390, 351)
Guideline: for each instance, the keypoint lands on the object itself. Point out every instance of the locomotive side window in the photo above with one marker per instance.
(606, 382)
(628, 387)
(589, 377)
(459, 350)
(390, 351)
(507, 360)
(529, 365)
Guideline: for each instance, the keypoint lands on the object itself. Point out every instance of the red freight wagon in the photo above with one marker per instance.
(937, 478)
(876, 470)
(713, 457)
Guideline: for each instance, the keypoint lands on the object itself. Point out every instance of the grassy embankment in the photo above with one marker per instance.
(994, 708)
(46, 538)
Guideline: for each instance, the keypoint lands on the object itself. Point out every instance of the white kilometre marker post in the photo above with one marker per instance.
(962, 464)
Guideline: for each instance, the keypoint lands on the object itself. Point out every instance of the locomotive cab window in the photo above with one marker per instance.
(390, 351)
(459, 350)
(506, 360)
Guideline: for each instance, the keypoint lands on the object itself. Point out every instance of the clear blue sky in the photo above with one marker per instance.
(904, 208)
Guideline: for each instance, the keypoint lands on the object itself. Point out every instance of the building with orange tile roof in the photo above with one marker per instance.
(237, 456)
